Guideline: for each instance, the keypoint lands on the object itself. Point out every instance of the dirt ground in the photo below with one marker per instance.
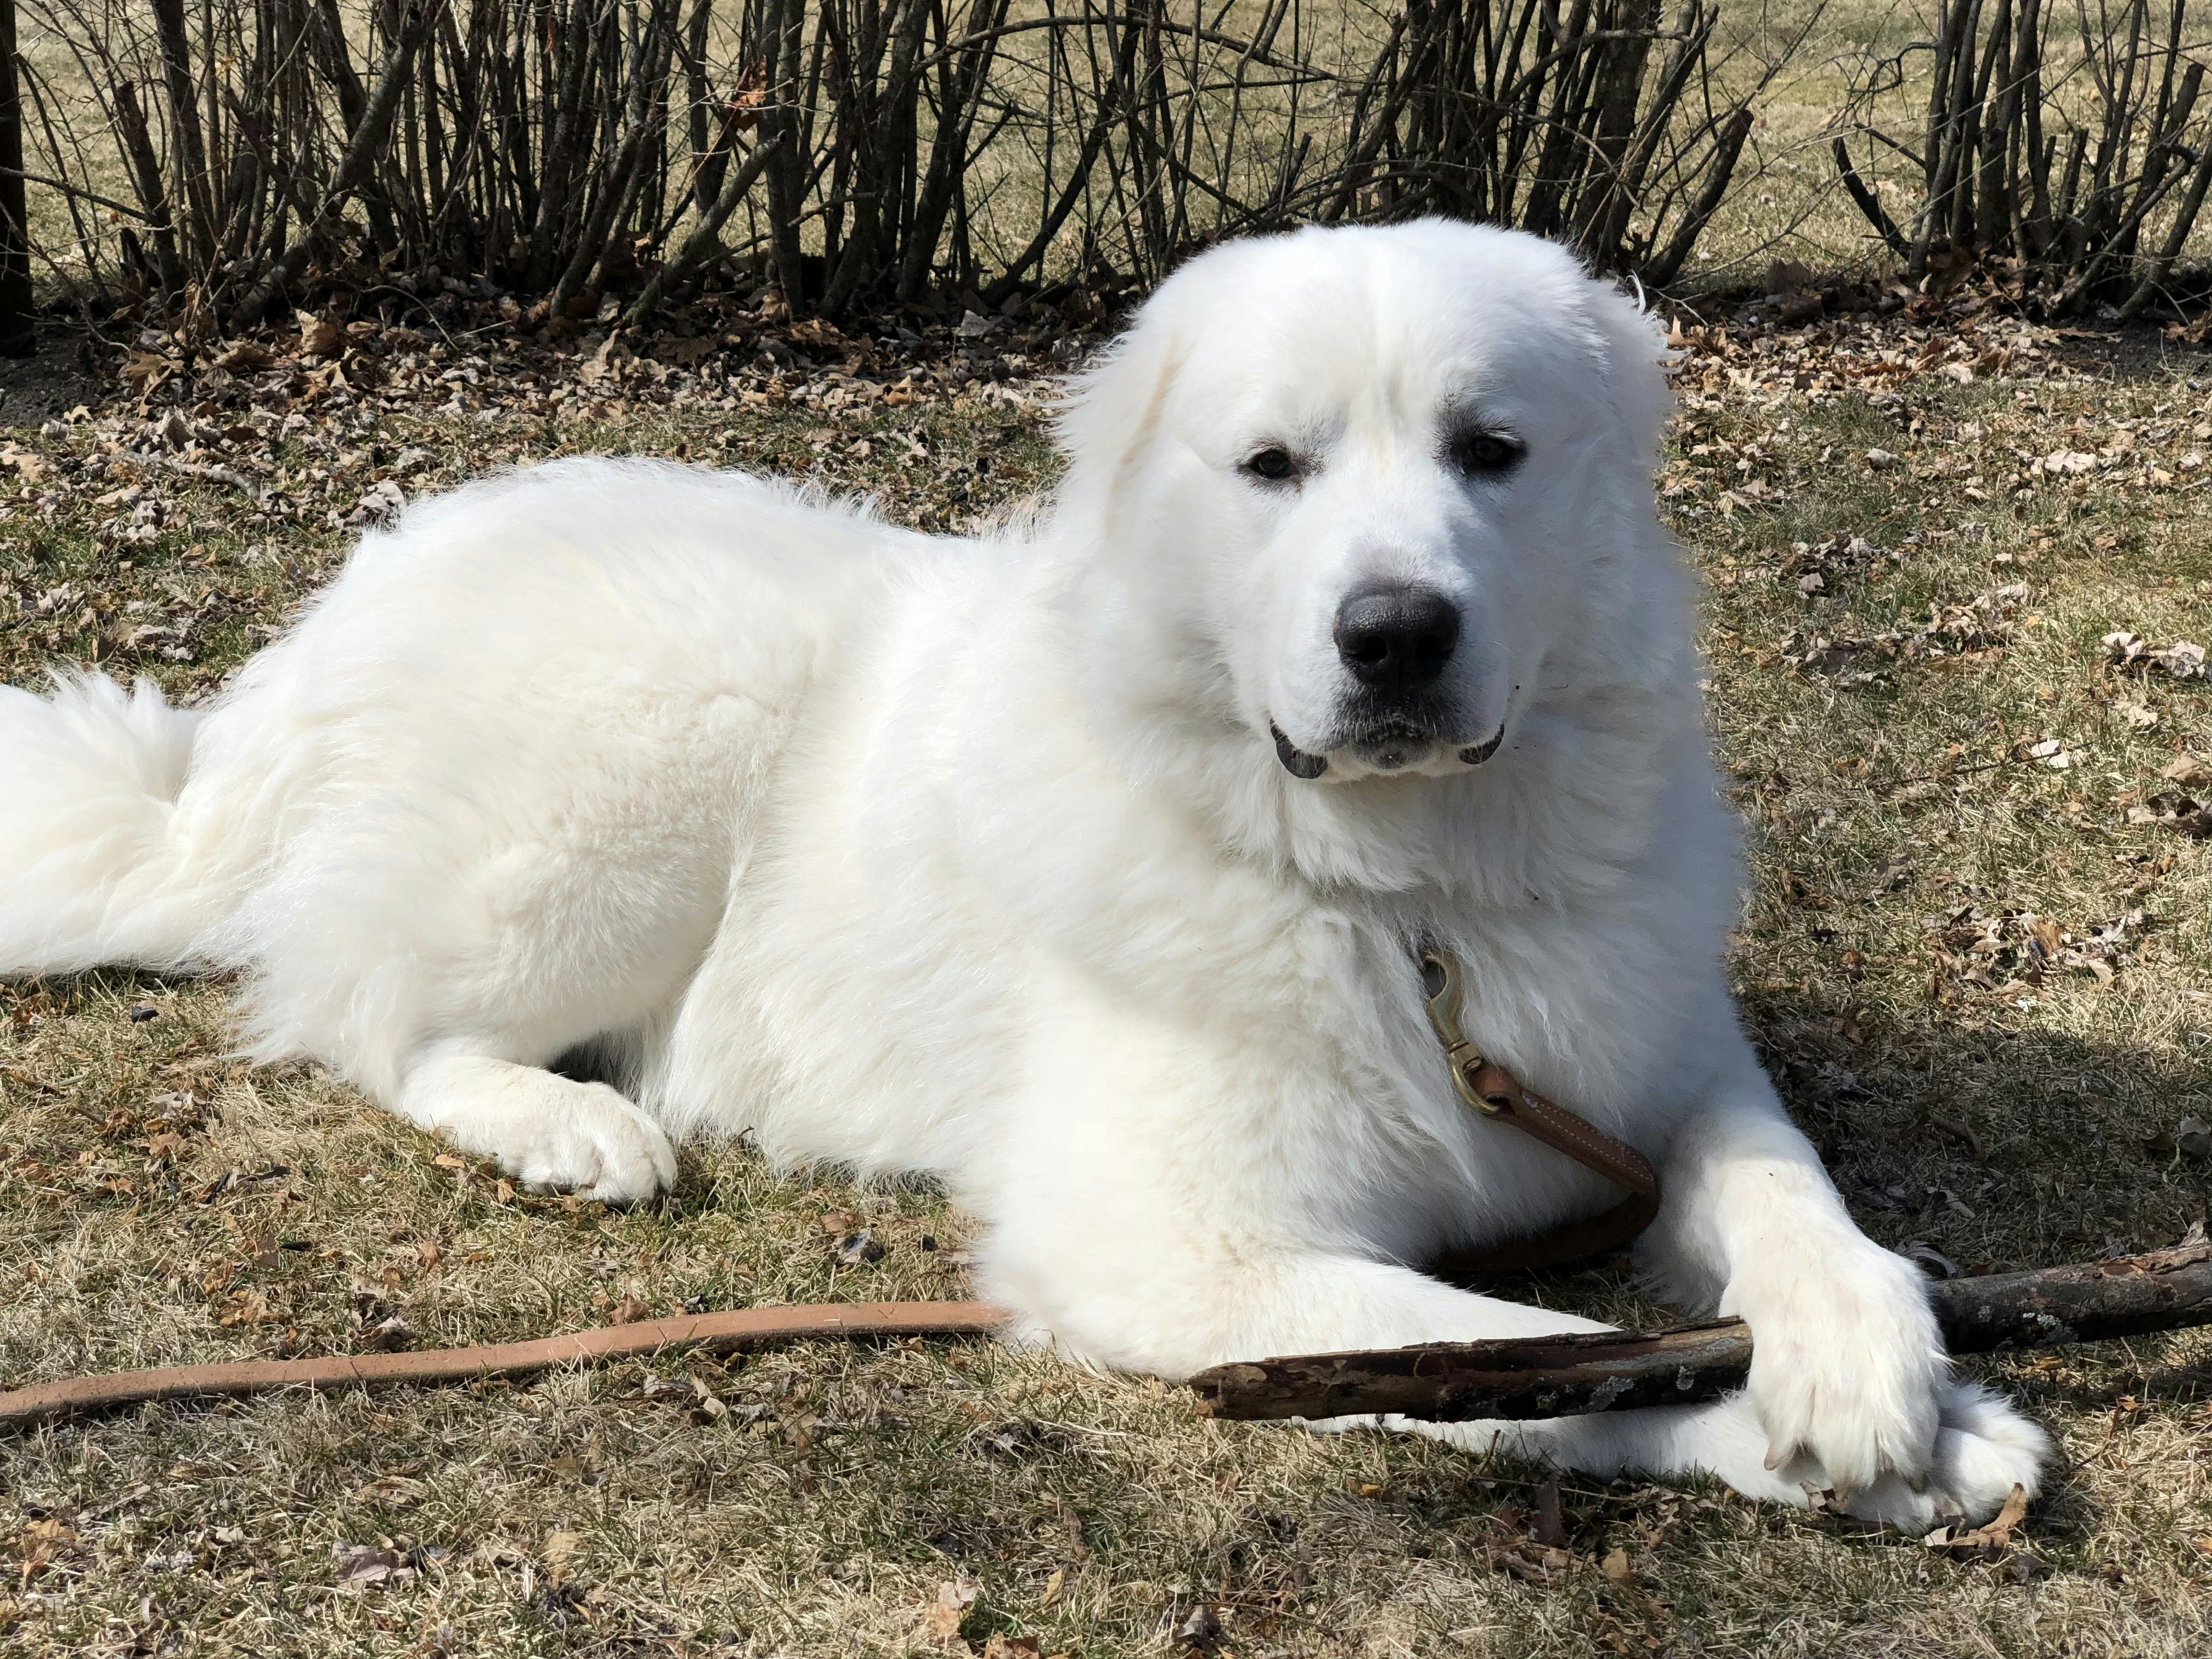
(1956, 569)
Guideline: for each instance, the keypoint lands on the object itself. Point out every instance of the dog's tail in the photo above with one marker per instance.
(94, 865)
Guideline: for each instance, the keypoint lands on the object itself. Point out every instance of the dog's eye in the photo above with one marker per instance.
(1274, 464)
(1482, 454)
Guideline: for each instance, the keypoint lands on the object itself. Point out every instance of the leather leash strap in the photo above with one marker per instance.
(736, 1328)
(1495, 1092)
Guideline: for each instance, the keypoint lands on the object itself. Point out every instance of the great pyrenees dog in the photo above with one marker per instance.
(1080, 866)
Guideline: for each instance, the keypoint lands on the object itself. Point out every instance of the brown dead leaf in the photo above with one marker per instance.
(245, 357)
(1995, 1536)
(357, 1567)
(142, 371)
(560, 1546)
(815, 335)
(388, 1335)
(684, 353)
(2192, 1137)
(941, 1619)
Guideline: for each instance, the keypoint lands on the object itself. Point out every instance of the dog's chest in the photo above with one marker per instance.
(1578, 1016)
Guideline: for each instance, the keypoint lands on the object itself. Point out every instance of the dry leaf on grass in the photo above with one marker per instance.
(2190, 1138)
(1994, 1542)
(1198, 1627)
(941, 1619)
(358, 1566)
(1995, 1534)
(2183, 659)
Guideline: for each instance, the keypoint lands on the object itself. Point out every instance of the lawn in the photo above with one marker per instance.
(1975, 954)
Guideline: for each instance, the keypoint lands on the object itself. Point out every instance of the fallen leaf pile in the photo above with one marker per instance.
(2009, 952)
(1975, 627)
(2182, 660)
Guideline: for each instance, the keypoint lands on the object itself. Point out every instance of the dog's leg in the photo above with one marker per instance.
(1110, 1274)
(545, 1130)
(1158, 1299)
(1850, 1386)
(1181, 1303)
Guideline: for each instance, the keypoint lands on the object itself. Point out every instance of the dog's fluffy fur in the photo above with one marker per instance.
(977, 857)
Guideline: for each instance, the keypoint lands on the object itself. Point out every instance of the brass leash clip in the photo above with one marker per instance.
(1444, 1003)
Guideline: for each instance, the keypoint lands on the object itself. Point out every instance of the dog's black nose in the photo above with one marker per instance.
(1396, 638)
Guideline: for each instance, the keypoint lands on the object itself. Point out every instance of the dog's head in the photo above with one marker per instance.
(1361, 483)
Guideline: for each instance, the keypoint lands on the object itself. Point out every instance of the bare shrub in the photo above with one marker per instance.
(852, 151)
(2065, 146)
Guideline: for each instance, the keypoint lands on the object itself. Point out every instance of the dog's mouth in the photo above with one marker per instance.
(1475, 754)
(1295, 760)
(1390, 747)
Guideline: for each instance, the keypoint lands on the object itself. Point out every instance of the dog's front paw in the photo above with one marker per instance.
(1983, 1451)
(599, 1145)
(1848, 1372)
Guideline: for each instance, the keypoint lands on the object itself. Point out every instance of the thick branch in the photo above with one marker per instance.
(1868, 203)
(1563, 1375)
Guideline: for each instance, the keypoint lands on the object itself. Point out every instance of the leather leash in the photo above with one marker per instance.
(1495, 1093)
(741, 1328)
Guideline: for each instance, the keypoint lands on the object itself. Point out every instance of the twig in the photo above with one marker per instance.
(1609, 1370)
(78, 191)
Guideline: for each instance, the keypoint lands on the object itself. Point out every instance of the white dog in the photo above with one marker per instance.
(1079, 868)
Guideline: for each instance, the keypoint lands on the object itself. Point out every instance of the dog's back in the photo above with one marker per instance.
(522, 733)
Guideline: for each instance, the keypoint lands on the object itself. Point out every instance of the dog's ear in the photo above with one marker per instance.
(1634, 357)
(1111, 414)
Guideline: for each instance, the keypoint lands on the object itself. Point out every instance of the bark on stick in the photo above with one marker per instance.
(1609, 1370)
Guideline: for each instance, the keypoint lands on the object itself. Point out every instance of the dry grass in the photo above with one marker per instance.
(160, 1203)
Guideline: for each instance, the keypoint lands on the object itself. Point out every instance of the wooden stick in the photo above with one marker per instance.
(740, 1328)
(1609, 1370)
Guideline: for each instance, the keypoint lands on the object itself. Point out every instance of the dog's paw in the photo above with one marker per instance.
(598, 1145)
(1984, 1448)
(1848, 1372)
